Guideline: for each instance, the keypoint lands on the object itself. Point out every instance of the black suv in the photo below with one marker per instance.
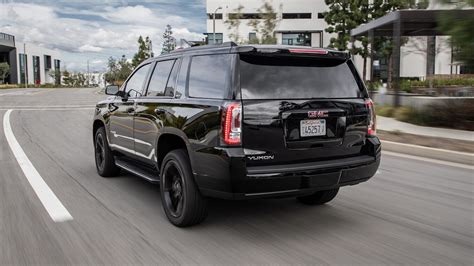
(239, 122)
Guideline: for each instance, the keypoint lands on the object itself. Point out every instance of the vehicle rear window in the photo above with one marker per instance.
(209, 75)
(285, 77)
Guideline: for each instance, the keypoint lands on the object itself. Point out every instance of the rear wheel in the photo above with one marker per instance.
(319, 197)
(104, 159)
(183, 203)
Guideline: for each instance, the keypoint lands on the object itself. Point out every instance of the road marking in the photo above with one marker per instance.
(20, 93)
(48, 106)
(406, 156)
(51, 203)
(48, 109)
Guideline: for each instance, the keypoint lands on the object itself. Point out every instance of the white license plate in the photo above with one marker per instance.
(314, 127)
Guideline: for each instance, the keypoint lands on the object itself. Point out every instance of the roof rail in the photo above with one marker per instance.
(230, 44)
(207, 46)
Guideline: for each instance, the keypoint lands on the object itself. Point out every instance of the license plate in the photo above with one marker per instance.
(314, 127)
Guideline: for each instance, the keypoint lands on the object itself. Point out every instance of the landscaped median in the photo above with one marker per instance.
(445, 149)
(442, 130)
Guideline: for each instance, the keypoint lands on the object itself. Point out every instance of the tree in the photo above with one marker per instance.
(233, 24)
(4, 71)
(118, 71)
(68, 79)
(56, 76)
(462, 34)
(145, 51)
(265, 23)
(169, 42)
(345, 15)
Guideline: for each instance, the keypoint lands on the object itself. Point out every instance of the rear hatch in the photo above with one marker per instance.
(301, 107)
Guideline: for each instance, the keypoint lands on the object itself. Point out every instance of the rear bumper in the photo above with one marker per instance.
(291, 180)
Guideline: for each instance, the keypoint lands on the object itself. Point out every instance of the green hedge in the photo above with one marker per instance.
(448, 114)
(408, 85)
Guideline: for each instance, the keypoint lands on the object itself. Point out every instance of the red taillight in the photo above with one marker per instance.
(371, 130)
(232, 124)
(308, 51)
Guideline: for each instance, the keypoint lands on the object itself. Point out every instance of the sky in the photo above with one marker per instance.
(86, 30)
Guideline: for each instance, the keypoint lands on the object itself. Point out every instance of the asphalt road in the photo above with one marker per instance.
(412, 212)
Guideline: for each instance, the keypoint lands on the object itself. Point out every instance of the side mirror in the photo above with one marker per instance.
(112, 90)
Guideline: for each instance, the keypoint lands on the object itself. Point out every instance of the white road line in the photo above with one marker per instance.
(51, 203)
(49, 109)
(48, 106)
(406, 156)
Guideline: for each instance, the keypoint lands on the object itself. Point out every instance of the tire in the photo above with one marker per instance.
(182, 202)
(104, 158)
(319, 197)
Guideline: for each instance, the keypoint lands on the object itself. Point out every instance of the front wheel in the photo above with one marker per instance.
(319, 197)
(104, 158)
(183, 203)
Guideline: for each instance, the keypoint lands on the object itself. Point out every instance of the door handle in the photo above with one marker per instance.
(130, 110)
(160, 111)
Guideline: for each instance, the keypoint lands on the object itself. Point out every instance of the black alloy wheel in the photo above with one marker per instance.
(104, 158)
(173, 184)
(182, 201)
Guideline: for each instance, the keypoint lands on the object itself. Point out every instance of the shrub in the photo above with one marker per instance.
(437, 83)
(453, 114)
(373, 85)
(407, 114)
(458, 114)
(8, 86)
(385, 110)
(405, 85)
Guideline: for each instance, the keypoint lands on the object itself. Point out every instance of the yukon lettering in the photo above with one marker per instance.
(261, 157)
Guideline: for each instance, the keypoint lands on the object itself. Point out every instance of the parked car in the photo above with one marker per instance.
(239, 122)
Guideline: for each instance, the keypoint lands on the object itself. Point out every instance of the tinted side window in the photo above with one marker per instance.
(159, 78)
(137, 80)
(171, 85)
(209, 75)
(183, 75)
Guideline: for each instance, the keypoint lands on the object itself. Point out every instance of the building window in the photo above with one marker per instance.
(218, 15)
(47, 62)
(252, 37)
(23, 68)
(296, 15)
(320, 15)
(247, 15)
(210, 38)
(36, 70)
(303, 39)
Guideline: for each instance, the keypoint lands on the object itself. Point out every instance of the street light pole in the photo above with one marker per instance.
(214, 25)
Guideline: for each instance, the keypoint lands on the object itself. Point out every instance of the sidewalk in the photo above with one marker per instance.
(391, 124)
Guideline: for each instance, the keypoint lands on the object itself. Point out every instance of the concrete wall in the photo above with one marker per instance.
(35, 50)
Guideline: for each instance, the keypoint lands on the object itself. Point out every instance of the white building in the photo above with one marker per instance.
(301, 23)
(30, 62)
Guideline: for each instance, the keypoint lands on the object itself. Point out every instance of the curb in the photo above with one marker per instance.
(433, 153)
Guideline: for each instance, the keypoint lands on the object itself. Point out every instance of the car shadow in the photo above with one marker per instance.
(247, 214)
